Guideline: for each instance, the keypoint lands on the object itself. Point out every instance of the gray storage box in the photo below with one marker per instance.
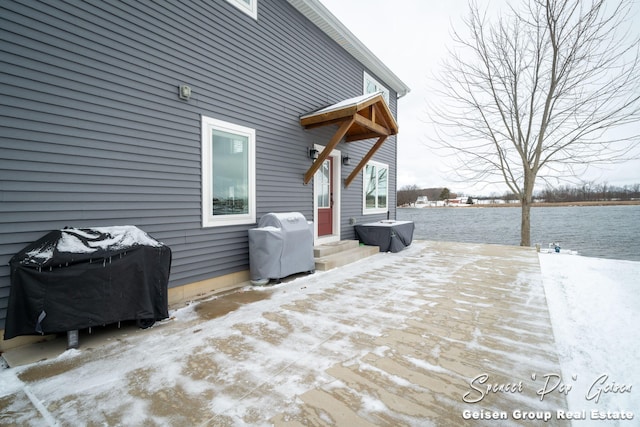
(282, 245)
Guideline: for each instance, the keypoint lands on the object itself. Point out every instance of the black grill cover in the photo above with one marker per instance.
(390, 235)
(78, 278)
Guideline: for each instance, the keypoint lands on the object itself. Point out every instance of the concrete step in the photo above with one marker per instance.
(347, 255)
(334, 248)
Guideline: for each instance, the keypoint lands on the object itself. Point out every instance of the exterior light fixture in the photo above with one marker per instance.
(346, 160)
(184, 92)
(313, 153)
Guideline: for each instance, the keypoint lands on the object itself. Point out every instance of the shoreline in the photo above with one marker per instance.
(538, 204)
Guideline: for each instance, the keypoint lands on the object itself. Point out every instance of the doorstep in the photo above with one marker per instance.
(338, 254)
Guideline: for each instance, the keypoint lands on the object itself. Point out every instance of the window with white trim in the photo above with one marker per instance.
(228, 173)
(250, 7)
(324, 185)
(376, 188)
(371, 85)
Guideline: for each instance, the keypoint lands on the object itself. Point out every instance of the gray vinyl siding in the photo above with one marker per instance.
(352, 197)
(92, 132)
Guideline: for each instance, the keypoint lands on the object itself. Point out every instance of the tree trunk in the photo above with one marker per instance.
(525, 223)
(526, 199)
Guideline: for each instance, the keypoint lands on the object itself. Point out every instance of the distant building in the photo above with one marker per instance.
(461, 201)
(422, 202)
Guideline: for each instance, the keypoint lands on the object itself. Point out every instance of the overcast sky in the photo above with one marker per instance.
(411, 38)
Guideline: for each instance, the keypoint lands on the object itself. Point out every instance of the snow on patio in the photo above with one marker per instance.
(396, 339)
(595, 310)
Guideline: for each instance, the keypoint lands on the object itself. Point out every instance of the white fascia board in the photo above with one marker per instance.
(330, 25)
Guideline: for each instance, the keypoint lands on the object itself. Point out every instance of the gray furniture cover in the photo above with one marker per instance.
(389, 235)
(282, 245)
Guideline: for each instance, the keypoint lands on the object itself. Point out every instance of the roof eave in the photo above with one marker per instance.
(330, 25)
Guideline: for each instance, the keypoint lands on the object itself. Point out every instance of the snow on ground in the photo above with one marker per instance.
(594, 305)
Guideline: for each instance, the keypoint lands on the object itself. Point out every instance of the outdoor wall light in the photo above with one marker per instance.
(346, 160)
(184, 92)
(313, 154)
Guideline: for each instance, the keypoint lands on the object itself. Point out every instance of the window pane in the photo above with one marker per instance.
(371, 85)
(382, 187)
(230, 173)
(370, 186)
(323, 189)
(376, 188)
(249, 7)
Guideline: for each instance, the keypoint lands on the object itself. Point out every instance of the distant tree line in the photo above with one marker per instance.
(410, 193)
(585, 192)
(588, 192)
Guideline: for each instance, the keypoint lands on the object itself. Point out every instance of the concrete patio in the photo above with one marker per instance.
(401, 339)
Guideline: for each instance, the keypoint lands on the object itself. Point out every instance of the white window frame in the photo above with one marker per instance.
(208, 219)
(367, 80)
(250, 9)
(376, 210)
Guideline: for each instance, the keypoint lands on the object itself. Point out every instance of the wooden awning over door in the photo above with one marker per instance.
(360, 118)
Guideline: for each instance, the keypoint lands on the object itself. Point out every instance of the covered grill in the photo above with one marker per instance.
(282, 245)
(74, 278)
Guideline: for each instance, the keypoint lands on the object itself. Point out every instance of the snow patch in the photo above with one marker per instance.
(90, 240)
(118, 237)
(594, 305)
(71, 243)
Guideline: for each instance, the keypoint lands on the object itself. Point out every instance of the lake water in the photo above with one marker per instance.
(594, 231)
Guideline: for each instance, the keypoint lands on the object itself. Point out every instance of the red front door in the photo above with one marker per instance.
(325, 198)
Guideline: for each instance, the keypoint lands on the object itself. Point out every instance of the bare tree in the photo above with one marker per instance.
(549, 88)
(407, 195)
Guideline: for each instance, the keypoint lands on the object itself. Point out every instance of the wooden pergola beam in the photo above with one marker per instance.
(364, 160)
(360, 118)
(335, 139)
(328, 117)
(371, 125)
(362, 136)
(328, 122)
